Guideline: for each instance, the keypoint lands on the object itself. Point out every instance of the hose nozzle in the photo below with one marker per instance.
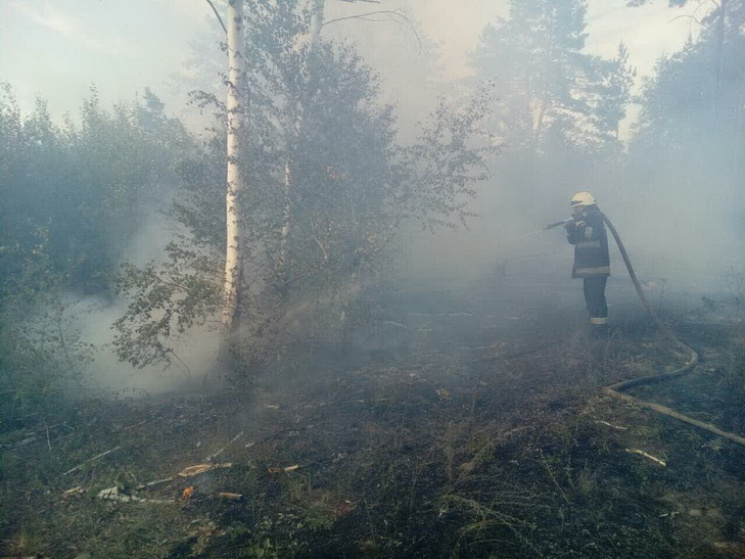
(562, 222)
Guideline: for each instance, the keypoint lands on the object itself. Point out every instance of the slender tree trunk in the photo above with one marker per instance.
(536, 131)
(235, 179)
(316, 24)
(282, 274)
(719, 54)
(314, 39)
(720, 32)
(538, 125)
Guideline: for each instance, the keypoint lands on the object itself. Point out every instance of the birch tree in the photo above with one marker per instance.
(306, 49)
(315, 110)
(235, 179)
(309, 42)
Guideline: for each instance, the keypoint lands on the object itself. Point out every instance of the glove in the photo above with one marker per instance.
(570, 226)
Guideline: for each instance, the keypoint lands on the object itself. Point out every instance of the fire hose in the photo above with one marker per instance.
(617, 390)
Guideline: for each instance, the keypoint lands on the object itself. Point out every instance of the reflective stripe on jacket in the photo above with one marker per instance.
(590, 245)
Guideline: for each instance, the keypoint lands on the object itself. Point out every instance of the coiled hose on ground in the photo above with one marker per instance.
(616, 390)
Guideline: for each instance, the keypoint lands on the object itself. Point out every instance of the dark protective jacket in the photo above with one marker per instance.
(587, 234)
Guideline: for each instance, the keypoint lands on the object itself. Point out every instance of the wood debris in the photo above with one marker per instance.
(202, 468)
(214, 455)
(113, 494)
(229, 496)
(78, 490)
(283, 470)
(98, 456)
(646, 455)
(150, 484)
(618, 427)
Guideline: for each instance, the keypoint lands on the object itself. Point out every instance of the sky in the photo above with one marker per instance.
(60, 48)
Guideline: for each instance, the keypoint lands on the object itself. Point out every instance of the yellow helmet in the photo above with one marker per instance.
(583, 198)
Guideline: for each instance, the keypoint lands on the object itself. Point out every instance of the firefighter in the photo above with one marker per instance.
(586, 231)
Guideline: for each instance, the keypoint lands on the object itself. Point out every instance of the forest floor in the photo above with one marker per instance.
(490, 440)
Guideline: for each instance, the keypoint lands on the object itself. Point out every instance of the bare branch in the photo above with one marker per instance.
(686, 16)
(217, 15)
(380, 12)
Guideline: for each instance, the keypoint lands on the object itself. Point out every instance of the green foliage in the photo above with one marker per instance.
(41, 353)
(698, 89)
(164, 300)
(85, 189)
(671, 3)
(444, 165)
(557, 108)
(690, 131)
(327, 188)
(612, 95)
(552, 95)
(73, 199)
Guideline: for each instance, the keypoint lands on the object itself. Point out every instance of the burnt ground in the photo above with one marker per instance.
(472, 430)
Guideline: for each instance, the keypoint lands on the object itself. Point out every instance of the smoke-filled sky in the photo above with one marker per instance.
(59, 48)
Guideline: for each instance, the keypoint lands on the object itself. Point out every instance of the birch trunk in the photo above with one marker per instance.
(235, 180)
(721, 29)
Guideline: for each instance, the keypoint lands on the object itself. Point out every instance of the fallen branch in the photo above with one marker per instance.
(617, 427)
(288, 469)
(113, 494)
(202, 468)
(150, 484)
(98, 456)
(211, 457)
(49, 443)
(135, 425)
(78, 490)
(649, 456)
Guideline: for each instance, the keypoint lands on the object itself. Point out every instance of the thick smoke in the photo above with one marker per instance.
(683, 230)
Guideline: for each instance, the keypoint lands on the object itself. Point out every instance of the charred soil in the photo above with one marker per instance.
(472, 445)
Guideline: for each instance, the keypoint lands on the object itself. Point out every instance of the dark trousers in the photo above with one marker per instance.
(594, 288)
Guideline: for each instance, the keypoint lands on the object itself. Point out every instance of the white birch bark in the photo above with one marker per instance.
(235, 179)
